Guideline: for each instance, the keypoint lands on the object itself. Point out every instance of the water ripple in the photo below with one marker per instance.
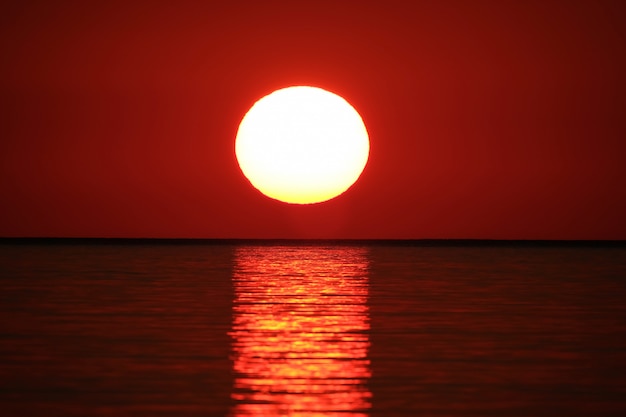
(300, 335)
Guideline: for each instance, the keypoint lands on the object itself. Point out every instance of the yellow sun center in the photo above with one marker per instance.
(302, 145)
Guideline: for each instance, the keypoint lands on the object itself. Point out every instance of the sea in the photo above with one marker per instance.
(312, 329)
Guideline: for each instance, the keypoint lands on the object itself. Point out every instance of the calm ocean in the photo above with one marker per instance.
(312, 330)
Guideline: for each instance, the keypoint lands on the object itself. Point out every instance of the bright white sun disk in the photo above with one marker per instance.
(302, 145)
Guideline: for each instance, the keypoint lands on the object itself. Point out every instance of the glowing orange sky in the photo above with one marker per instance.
(486, 119)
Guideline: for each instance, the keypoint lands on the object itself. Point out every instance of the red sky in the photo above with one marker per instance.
(487, 119)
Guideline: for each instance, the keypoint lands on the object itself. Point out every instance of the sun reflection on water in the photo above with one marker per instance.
(300, 332)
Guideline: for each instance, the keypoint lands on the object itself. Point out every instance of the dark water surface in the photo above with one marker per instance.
(237, 330)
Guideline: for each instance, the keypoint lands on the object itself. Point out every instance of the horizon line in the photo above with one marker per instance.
(319, 241)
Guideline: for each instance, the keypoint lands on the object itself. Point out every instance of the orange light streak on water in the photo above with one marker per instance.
(300, 334)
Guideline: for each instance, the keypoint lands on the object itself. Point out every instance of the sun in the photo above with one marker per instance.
(302, 145)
